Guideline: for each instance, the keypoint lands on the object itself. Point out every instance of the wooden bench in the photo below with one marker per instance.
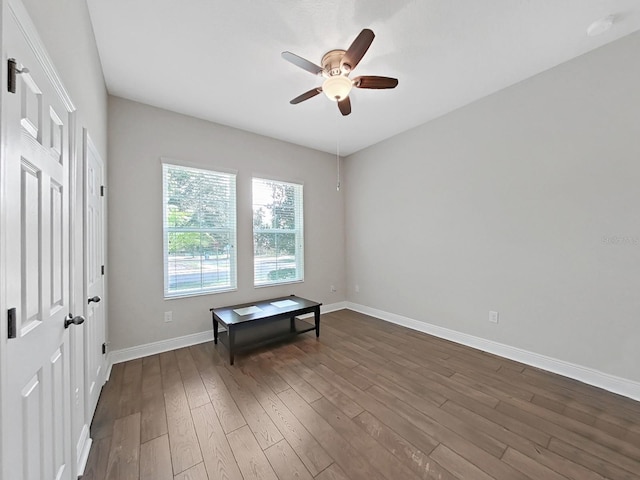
(254, 324)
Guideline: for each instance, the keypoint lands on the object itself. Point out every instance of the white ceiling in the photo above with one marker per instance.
(219, 60)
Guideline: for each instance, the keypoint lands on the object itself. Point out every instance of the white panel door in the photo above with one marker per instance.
(35, 236)
(94, 279)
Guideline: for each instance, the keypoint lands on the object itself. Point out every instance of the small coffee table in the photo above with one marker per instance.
(254, 324)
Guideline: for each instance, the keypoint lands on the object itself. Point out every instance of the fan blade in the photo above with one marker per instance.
(306, 95)
(345, 106)
(358, 48)
(302, 63)
(370, 81)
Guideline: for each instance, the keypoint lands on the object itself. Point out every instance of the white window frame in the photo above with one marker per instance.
(231, 229)
(298, 230)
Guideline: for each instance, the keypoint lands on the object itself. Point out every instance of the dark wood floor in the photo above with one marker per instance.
(368, 400)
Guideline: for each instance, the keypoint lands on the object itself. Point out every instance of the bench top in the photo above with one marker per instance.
(273, 307)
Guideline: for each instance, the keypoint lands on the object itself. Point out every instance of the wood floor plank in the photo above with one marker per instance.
(461, 446)
(464, 407)
(155, 459)
(130, 396)
(96, 467)
(320, 355)
(435, 420)
(124, 454)
(366, 445)
(338, 398)
(251, 459)
(107, 408)
(417, 460)
(333, 472)
(185, 450)
(487, 427)
(193, 386)
(306, 447)
(424, 383)
(153, 415)
(265, 371)
(222, 401)
(197, 472)
(285, 462)
(529, 467)
(605, 467)
(600, 444)
(259, 422)
(560, 464)
(417, 436)
(169, 370)
(355, 465)
(295, 381)
(584, 394)
(204, 355)
(423, 391)
(456, 464)
(490, 386)
(218, 458)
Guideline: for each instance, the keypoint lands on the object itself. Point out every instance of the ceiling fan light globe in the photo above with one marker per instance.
(337, 87)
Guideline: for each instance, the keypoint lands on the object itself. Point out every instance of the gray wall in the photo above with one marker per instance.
(138, 136)
(526, 202)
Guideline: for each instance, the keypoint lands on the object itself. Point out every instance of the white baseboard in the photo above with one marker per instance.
(333, 307)
(621, 386)
(82, 449)
(131, 353)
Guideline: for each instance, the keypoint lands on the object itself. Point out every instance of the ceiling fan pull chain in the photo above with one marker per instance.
(338, 163)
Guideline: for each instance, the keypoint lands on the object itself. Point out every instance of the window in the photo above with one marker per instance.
(199, 231)
(278, 241)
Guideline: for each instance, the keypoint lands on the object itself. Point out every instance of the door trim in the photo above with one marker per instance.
(89, 148)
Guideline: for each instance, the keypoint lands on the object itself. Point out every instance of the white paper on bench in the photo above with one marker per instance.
(248, 310)
(284, 303)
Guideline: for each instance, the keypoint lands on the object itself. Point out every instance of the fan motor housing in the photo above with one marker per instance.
(331, 63)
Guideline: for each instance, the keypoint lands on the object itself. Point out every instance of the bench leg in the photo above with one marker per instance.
(316, 315)
(215, 332)
(232, 341)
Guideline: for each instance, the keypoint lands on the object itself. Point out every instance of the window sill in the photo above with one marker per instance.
(197, 294)
(275, 284)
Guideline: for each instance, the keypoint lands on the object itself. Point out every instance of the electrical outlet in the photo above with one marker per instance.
(357, 288)
(493, 316)
(168, 317)
(333, 289)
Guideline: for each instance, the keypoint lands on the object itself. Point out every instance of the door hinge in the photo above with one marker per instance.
(102, 269)
(102, 190)
(11, 317)
(12, 75)
(104, 348)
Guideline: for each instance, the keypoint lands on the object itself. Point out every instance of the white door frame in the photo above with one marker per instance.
(95, 332)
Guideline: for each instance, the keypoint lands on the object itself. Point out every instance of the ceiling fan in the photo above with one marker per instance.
(336, 67)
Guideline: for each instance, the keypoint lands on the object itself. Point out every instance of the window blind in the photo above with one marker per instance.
(278, 232)
(199, 231)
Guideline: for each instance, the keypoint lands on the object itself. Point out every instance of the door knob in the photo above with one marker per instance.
(94, 299)
(71, 320)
